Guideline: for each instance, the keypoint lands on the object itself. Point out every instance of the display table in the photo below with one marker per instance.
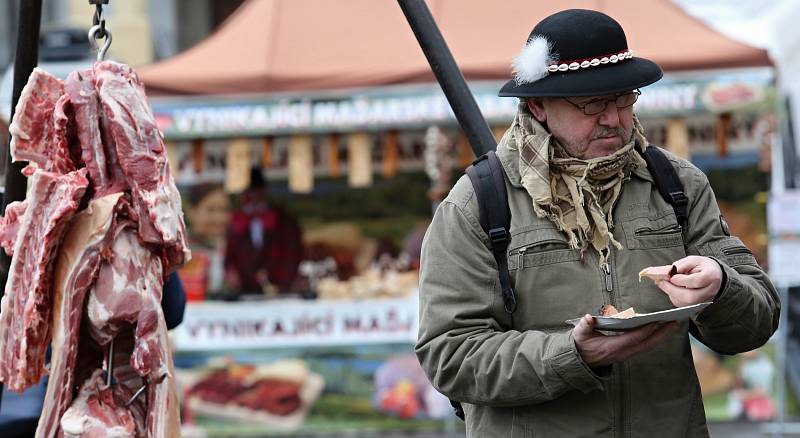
(361, 350)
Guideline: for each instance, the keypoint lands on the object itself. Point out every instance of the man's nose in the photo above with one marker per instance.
(610, 116)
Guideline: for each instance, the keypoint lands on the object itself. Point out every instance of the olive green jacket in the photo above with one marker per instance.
(529, 381)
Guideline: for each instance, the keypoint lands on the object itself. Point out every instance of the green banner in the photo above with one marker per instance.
(419, 106)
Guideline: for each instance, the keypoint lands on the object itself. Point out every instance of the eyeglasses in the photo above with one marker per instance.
(597, 106)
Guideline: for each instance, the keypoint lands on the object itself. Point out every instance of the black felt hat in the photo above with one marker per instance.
(578, 52)
(257, 180)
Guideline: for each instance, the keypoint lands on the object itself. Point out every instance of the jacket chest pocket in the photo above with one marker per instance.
(551, 281)
(646, 233)
(544, 246)
(649, 241)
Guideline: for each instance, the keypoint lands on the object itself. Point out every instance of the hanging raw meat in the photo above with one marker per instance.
(25, 320)
(92, 243)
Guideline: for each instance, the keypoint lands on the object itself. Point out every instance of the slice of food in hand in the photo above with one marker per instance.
(658, 273)
(610, 311)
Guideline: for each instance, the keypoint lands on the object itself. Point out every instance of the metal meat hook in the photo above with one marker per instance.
(110, 372)
(135, 396)
(110, 362)
(93, 37)
(141, 390)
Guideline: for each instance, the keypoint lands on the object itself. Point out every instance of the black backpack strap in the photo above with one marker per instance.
(667, 181)
(458, 409)
(488, 180)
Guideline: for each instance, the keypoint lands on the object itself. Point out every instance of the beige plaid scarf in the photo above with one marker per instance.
(577, 195)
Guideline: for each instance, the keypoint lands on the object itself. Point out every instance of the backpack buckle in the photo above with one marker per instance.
(498, 236)
(458, 409)
(679, 198)
(481, 158)
(509, 300)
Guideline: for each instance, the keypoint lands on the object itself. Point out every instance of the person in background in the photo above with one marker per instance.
(209, 217)
(264, 244)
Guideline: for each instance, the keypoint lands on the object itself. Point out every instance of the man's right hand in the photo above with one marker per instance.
(597, 349)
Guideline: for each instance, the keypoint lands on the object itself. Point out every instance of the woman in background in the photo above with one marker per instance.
(208, 214)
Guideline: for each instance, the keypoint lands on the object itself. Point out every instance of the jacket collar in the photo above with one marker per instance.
(642, 172)
(508, 156)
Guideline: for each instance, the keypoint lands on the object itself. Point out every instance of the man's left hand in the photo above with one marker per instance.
(698, 280)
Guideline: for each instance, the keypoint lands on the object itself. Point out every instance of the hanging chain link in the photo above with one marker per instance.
(98, 30)
(98, 20)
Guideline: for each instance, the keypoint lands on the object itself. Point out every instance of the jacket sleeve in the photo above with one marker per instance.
(746, 309)
(462, 345)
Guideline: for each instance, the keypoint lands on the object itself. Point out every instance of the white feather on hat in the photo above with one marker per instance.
(531, 63)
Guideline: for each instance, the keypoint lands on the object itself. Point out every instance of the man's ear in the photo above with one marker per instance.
(536, 107)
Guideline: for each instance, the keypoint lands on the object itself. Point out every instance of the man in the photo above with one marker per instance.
(586, 217)
(263, 244)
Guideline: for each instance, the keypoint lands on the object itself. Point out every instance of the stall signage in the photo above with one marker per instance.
(296, 323)
(783, 261)
(358, 112)
(783, 214)
(668, 99)
(783, 222)
(418, 106)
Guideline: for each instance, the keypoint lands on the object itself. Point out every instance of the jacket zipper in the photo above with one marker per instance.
(622, 426)
(621, 420)
(661, 232)
(736, 250)
(521, 251)
(609, 279)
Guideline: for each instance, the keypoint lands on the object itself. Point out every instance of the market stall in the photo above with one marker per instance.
(334, 117)
(279, 82)
(349, 362)
(356, 137)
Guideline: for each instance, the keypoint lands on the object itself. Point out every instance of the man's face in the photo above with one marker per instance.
(254, 199)
(209, 218)
(585, 136)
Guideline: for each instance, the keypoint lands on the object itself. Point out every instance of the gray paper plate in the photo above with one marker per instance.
(607, 323)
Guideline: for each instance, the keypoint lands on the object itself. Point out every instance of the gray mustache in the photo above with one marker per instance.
(608, 132)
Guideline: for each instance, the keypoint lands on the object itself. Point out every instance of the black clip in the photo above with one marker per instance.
(679, 198)
(498, 236)
(457, 408)
(479, 159)
(509, 300)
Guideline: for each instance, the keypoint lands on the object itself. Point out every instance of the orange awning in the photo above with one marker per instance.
(296, 45)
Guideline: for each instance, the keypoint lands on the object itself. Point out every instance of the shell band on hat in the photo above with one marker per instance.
(536, 61)
(593, 62)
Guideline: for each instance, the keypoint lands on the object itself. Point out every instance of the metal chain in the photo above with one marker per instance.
(99, 20)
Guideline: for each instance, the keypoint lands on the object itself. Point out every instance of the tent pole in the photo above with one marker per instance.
(27, 57)
(449, 76)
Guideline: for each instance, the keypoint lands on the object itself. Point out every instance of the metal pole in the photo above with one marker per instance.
(27, 57)
(783, 341)
(780, 426)
(449, 76)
